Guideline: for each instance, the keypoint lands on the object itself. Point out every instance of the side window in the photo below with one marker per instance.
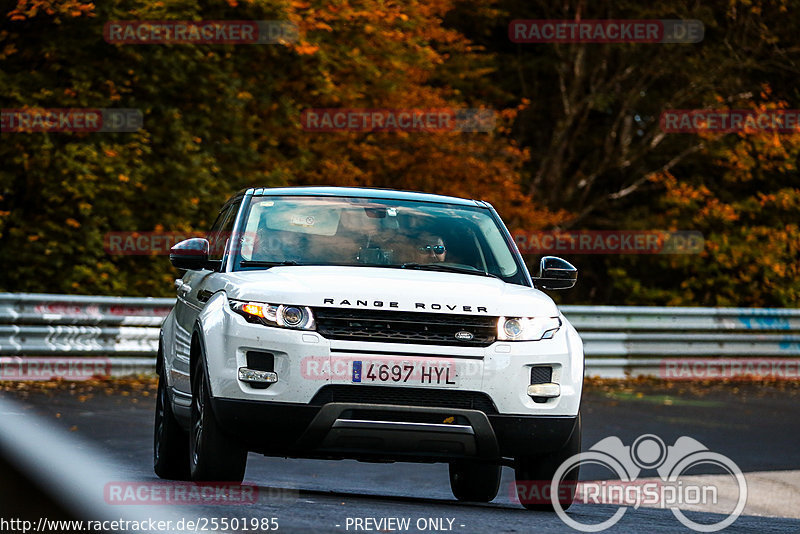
(221, 232)
(217, 223)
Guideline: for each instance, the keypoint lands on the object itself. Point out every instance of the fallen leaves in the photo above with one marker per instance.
(671, 391)
(134, 387)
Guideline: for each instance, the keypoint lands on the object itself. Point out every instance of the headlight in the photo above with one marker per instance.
(295, 317)
(527, 328)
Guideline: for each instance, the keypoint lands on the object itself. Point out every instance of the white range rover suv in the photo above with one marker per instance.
(370, 324)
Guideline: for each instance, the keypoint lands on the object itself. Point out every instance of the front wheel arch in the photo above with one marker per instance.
(160, 354)
(213, 455)
(196, 352)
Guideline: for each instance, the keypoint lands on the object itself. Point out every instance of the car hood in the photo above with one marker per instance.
(388, 289)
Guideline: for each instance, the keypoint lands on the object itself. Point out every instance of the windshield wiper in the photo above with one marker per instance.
(448, 268)
(259, 263)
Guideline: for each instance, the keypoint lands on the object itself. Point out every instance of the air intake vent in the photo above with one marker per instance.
(541, 374)
(260, 361)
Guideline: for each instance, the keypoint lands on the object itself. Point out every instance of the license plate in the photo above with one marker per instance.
(409, 373)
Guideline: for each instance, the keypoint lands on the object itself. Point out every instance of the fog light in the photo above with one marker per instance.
(544, 391)
(257, 377)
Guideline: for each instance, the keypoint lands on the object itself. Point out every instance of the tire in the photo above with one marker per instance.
(170, 441)
(539, 470)
(213, 456)
(474, 482)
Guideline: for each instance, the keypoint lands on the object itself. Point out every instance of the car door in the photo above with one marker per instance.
(194, 290)
(203, 284)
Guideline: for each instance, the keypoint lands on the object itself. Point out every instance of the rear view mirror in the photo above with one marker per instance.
(376, 213)
(191, 254)
(555, 273)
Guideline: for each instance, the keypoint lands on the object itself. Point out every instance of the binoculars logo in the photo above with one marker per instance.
(670, 462)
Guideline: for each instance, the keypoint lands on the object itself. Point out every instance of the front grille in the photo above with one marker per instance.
(403, 396)
(406, 327)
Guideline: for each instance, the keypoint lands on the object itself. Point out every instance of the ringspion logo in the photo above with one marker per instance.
(649, 452)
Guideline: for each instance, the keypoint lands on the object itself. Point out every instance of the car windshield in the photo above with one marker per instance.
(308, 230)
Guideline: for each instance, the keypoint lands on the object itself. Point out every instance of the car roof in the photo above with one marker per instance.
(361, 192)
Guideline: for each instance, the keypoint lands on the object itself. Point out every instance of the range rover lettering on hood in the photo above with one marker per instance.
(417, 305)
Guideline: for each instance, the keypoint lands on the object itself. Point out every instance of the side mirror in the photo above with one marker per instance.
(555, 273)
(191, 254)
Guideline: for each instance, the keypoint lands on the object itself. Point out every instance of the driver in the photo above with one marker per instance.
(431, 249)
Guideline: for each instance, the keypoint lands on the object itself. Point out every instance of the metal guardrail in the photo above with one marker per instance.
(58, 324)
(616, 338)
(619, 331)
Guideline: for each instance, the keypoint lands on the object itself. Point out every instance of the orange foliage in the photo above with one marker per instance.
(28, 9)
(746, 207)
(388, 63)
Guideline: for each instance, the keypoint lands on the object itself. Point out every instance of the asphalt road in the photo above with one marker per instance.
(756, 427)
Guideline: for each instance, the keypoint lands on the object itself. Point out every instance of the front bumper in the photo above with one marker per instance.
(305, 362)
(373, 432)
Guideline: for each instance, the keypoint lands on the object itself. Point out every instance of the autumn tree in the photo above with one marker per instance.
(592, 129)
(218, 118)
(746, 204)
